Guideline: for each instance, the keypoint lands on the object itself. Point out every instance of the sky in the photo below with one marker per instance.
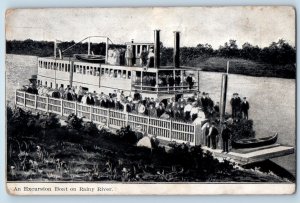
(213, 25)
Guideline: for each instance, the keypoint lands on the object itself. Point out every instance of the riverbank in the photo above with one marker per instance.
(40, 149)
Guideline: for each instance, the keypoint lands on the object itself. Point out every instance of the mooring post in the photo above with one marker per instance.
(223, 96)
(223, 103)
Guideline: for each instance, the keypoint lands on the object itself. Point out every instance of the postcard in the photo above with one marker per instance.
(151, 101)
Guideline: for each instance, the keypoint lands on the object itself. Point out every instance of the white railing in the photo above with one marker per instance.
(168, 130)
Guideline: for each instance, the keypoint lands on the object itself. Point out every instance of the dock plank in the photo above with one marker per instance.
(253, 156)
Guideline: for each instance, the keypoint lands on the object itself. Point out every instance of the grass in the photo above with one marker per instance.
(244, 67)
(62, 153)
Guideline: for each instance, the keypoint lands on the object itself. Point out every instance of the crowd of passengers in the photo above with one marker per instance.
(186, 109)
(165, 80)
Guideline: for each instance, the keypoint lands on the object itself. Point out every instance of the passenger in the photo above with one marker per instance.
(56, 94)
(205, 131)
(210, 103)
(177, 80)
(144, 57)
(31, 89)
(84, 99)
(141, 108)
(217, 107)
(190, 81)
(160, 110)
(150, 62)
(194, 111)
(137, 96)
(171, 81)
(152, 111)
(80, 94)
(129, 56)
(235, 105)
(213, 134)
(118, 104)
(187, 111)
(204, 101)
(225, 137)
(244, 108)
(90, 100)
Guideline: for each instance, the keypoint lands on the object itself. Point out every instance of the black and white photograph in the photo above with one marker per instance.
(151, 100)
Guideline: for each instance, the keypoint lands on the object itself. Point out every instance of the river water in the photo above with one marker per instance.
(272, 106)
(272, 100)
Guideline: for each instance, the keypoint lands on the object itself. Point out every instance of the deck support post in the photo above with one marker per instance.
(25, 99)
(75, 109)
(91, 112)
(35, 101)
(108, 117)
(61, 107)
(170, 130)
(47, 104)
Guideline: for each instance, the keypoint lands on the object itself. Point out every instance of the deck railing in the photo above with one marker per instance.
(164, 129)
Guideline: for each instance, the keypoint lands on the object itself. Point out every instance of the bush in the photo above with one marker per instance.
(127, 135)
(242, 129)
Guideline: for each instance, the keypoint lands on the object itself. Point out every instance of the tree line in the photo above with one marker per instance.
(279, 56)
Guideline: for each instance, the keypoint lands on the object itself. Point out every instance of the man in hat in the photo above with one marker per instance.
(244, 108)
(190, 81)
(235, 104)
(144, 57)
(225, 137)
(213, 134)
(90, 100)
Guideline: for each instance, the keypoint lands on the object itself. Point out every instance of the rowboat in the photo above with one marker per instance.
(90, 58)
(254, 142)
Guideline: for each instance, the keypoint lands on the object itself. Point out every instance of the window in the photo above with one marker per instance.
(46, 83)
(69, 68)
(119, 74)
(102, 71)
(87, 70)
(80, 70)
(51, 84)
(124, 74)
(56, 86)
(39, 82)
(84, 70)
(129, 74)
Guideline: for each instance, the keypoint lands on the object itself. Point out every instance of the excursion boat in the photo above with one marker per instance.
(255, 142)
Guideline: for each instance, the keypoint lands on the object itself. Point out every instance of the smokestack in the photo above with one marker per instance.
(176, 53)
(156, 48)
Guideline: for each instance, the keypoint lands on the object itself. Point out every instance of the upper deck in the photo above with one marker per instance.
(135, 68)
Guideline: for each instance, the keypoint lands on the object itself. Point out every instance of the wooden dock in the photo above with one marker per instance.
(252, 155)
